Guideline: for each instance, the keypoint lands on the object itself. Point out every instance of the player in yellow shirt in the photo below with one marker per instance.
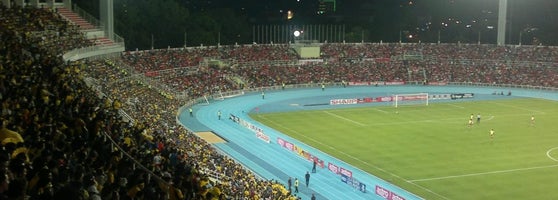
(491, 133)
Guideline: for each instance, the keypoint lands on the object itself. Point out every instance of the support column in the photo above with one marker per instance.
(68, 4)
(107, 17)
(6, 3)
(50, 4)
(502, 14)
(20, 2)
(34, 3)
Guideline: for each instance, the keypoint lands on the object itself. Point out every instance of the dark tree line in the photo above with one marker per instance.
(162, 23)
(175, 23)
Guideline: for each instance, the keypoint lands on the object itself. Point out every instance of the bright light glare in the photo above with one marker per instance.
(290, 15)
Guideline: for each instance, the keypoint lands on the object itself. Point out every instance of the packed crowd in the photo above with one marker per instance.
(518, 65)
(48, 126)
(64, 134)
(94, 130)
(443, 51)
(167, 144)
(46, 30)
(162, 59)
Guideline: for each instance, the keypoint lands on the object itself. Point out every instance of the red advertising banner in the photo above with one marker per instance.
(259, 132)
(359, 83)
(345, 172)
(384, 99)
(395, 83)
(387, 194)
(263, 137)
(413, 98)
(299, 151)
(437, 83)
(333, 168)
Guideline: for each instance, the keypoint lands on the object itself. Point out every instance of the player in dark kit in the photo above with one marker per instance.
(478, 118)
(307, 178)
(314, 166)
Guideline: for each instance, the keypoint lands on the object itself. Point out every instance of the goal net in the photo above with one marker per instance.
(410, 99)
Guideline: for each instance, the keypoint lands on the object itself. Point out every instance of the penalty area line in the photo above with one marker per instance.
(455, 106)
(346, 119)
(521, 108)
(381, 110)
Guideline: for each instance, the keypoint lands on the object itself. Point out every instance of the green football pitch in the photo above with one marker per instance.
(433, 153)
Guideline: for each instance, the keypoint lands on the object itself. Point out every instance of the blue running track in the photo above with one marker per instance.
(272, 161)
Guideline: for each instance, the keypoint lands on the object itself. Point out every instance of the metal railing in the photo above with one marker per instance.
(471, 84)
(87, 17)
(75, 53)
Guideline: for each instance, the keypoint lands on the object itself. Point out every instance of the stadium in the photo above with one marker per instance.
(84, 118)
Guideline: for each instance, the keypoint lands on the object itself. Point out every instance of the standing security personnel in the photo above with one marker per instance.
(296, 185)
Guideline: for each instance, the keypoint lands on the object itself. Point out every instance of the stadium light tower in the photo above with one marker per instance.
(502, 13)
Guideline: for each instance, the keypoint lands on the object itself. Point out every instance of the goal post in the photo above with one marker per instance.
(410, 99)
(219, 96)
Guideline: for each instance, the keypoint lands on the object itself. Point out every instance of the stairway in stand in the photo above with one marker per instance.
(75, 18)
(93, 33)
(103, 41)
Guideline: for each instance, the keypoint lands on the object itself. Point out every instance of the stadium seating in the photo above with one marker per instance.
(63, 139)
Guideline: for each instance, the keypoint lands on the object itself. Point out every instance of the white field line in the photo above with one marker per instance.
(452, 120)
(413, 182)
(344, 118)
(483, 173)
(391, 109)
(293, 131)
(444, 120)
(449, 104)
(354, 158)
(549, 156)
(428, 190)
(517, 107)
(381, 110)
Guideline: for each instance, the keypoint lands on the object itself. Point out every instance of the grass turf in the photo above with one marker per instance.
(430, 151)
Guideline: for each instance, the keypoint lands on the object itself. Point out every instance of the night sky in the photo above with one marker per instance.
(421, 14)
(427, 20)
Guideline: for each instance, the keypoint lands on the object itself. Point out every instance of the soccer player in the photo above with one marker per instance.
(532, 120)
(491, 133)
(470, 123)
(471, 117)
(478, 118)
